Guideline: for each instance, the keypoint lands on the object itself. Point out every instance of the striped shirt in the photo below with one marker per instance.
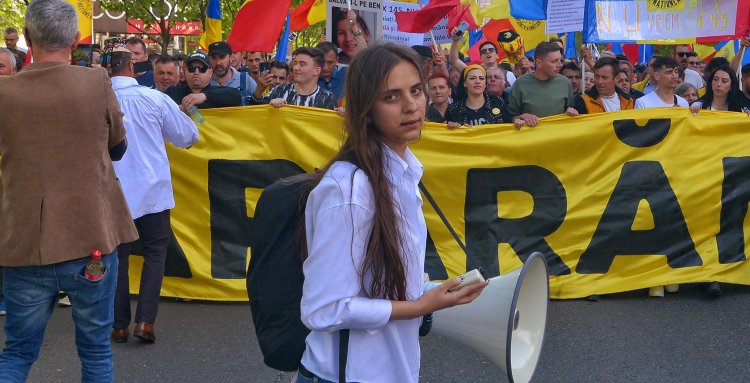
(320, 98)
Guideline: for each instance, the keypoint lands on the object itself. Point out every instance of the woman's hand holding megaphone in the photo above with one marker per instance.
(437, 298)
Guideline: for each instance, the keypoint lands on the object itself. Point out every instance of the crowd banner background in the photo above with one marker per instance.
(615, 201)
(665, 21)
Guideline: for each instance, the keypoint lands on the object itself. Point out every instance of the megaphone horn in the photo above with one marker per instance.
(506, 322)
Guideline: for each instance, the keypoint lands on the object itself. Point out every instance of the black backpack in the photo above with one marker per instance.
(275, 277)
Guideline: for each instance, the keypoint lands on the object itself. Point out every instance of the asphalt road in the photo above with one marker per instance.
(685, 337)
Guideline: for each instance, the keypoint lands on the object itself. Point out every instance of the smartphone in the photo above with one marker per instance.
(264, 67)
(143, 66)
(463, 27)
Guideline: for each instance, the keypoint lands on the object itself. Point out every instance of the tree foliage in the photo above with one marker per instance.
(159, 14)
(12, 12)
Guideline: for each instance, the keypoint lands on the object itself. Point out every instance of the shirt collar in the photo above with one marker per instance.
(119, 82)
(396, 167)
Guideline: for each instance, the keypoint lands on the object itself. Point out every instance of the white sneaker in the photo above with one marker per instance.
(672, 288)
(64, 302)
(656, 291)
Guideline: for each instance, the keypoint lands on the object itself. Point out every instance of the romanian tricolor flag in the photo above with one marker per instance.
(212, 31)
(517, 9)
(726, 49)
(85, 19)
(308, 13)
(258, 25)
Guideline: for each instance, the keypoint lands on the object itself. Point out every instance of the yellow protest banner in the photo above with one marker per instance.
(85, 19)
(615, 201)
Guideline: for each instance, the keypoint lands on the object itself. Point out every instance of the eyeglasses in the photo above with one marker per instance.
(487, 50)
(202, 69)
(687, 54)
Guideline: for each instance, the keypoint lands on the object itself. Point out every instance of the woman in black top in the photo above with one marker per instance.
(473, 106)
(723, 93)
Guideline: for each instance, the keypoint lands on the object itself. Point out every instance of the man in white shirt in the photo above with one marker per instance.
(665, 77)
(151, 117)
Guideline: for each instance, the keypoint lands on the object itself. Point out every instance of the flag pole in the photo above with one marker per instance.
(739, 65)
(432, 35)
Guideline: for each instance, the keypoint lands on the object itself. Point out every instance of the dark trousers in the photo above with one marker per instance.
(153, 230)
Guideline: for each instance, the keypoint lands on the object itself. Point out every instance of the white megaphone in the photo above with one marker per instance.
(506, 322)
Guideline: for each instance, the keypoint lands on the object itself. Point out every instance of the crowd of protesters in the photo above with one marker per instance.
(461, 95)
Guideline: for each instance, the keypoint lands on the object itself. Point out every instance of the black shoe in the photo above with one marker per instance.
(714, 289)
(594, 298)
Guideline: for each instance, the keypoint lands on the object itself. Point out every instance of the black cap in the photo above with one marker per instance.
(219, 47)
(199, 56)
(507, 35)
(423, 51)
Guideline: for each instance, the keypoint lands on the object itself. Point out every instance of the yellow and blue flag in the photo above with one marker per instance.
(212, 32)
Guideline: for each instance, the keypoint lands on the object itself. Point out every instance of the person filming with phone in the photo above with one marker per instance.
(305, 90)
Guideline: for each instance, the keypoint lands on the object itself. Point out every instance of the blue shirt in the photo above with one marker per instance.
(235, 82)
(147, 80)
(335, 84)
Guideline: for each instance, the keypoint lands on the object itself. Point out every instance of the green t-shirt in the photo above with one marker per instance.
(540, 98)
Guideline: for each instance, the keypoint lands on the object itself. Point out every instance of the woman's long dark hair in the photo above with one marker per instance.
(733, 97)
(364, 148)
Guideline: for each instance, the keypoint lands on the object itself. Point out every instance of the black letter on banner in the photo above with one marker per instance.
(176, 264)
(614, 235)
(642, 136)
(735, 194)
(433, 265)
(230, 225)
(485, 230)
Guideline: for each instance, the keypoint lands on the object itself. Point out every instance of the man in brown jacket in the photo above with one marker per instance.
(604, 96)
(61, 128)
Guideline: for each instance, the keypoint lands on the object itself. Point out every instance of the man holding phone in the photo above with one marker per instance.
(224, 74)
(144, 72)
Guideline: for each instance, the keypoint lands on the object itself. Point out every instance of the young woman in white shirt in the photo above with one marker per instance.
(366, 232)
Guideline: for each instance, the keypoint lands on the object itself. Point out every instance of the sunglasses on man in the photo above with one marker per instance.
(687, 54)
(201, 68)
(487, 51)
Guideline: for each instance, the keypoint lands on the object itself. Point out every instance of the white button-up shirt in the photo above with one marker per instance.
(338, 220)
(151, 118)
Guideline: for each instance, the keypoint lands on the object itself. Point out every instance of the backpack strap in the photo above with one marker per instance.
(343, 354)
(675, 101)
(442, 216)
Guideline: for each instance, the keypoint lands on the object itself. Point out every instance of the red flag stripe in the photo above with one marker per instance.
(298, 16)
(421, 21)
(258, 25)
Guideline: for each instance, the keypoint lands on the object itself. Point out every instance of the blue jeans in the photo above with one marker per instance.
(31, 295)
(302, 379)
